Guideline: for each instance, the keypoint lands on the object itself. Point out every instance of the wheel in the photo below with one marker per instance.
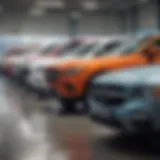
(87, 91)
(68, 106)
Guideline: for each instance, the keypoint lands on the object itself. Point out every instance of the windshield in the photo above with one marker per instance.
(47, 50)
(131, 46)
(105, 48)
(81, 51)
(69, 48)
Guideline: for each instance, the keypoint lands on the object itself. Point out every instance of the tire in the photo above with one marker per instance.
(68, 106)
(87, 91)
(86, 105)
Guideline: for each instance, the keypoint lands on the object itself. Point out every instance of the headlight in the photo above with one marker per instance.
(73, 71)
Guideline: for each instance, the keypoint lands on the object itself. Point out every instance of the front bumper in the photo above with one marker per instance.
(123, 116)
(113, 123)
(37, 80)
(38, 84)
(71, 87)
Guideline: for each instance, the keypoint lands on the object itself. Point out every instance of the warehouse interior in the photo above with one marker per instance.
(36, 130)
(73, 18)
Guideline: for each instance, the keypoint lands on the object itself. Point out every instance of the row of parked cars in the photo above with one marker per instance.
(116, 78)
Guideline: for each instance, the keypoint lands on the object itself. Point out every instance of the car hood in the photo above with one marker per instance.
(96, 62)
(135, 76)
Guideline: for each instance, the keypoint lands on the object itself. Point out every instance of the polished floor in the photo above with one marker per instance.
(74, 137)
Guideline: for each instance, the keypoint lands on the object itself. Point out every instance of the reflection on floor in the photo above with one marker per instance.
(74, 137)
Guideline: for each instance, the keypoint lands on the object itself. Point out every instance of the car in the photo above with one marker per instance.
(72, 79)
(88, 48)
(127, 100)
(14, 56)
(36, 69)
(21, 69)
(9, 55)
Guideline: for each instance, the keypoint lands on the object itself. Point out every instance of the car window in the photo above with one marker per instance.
(108, 47)
(80, 51)
(86, 49)
(132, 46)
(70, 47)
(48, 49)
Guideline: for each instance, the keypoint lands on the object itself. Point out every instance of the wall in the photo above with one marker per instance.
(148, 15)
(101, 24)
(45, 25)
(58, 25)
(89, 24)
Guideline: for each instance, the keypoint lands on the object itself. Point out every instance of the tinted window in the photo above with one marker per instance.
(71, 47)
(108, 47)
(48, 49)
(80, 51)
(86, 49)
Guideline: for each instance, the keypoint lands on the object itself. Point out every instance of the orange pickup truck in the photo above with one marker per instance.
(71, 79)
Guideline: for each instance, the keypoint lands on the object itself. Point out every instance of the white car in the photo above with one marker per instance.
(19, 62)
(57, 49)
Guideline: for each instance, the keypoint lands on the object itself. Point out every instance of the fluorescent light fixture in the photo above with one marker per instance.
(50, 3)
(90, 4)
(1, 9)
(76, 14)
(143, 1)
(36, 11)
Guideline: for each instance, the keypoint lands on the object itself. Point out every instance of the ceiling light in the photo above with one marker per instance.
(36, 11)
(143, 1)
(1, 9)
(76, 15)
(90, 4)
(50, 4)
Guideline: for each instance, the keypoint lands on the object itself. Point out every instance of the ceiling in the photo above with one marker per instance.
(24, 6)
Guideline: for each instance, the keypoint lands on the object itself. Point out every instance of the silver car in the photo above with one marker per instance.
(128, 99)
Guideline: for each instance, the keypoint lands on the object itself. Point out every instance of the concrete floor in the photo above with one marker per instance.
(75, 137)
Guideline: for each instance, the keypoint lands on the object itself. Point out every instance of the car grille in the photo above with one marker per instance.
(138, 92)
(109, 95)
(111, 87)
(52, 75)
(110, 100)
